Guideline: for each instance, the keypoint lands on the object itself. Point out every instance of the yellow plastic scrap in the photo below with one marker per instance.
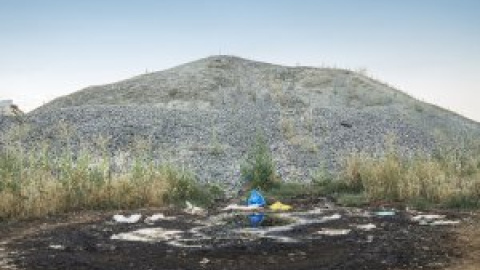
(278, 206)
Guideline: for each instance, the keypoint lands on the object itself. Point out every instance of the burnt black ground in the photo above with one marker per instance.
(397, 244)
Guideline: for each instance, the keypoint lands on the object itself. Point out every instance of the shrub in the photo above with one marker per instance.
(329, 185)
(352, 200)
(182, 187)
(463, 202)
(418, 107)
(287, 127)
(287, 190)
(216, 148)
(259, 168)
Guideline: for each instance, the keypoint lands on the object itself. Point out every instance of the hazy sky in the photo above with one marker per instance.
(428, 48)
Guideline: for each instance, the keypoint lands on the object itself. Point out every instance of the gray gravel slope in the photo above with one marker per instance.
(204, 115)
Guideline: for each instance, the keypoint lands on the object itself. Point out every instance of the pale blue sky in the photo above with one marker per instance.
(428, 48)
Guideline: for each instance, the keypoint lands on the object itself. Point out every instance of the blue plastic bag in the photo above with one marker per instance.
(256, 198)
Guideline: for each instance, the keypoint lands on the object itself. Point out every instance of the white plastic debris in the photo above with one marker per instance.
(236, 207)
(194, 210)
(317, 210)
(366, 227)
(148, 235)
(332, 217)
(385, 213)
(444, 222)
(360, 213)
(334, 232)
(156, 217)
(433, 220)
(57, 247)
(429, 217)
(282, 239)
(127, 219)
(204, 261)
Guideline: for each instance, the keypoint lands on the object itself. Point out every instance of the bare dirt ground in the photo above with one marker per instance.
(84, 241)
(467, 243)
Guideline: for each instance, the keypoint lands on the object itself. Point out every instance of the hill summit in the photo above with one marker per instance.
(214, 81)
(205, 115)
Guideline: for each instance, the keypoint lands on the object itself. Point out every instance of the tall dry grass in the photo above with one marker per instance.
(34, 183)
(439, 179)
(31, 188)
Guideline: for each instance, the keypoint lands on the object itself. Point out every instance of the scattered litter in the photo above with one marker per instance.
(366, 227)
(157, 217)
(256, 198)
(204, 233)
(148, 235)
(194, 210)
(246, 208)
(385, 213)
(204, 261)
(297, 221)
(278, 206)
(127, 219)
(419, 218)
(334, 232)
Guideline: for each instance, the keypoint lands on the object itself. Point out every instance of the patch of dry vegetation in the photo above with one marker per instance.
(288, 127)
(33, 187)
(35, 184)
(452, 181)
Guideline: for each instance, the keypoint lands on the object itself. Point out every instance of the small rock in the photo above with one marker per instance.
(366, 227)
(105, 247)
(445, 222)
(369, 238)
(204, 261)
(194, 210)
(334, 232)
(156, 217)
(57, 247)
(419, 218)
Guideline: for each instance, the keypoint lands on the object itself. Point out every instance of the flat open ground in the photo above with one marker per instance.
(92, 240)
